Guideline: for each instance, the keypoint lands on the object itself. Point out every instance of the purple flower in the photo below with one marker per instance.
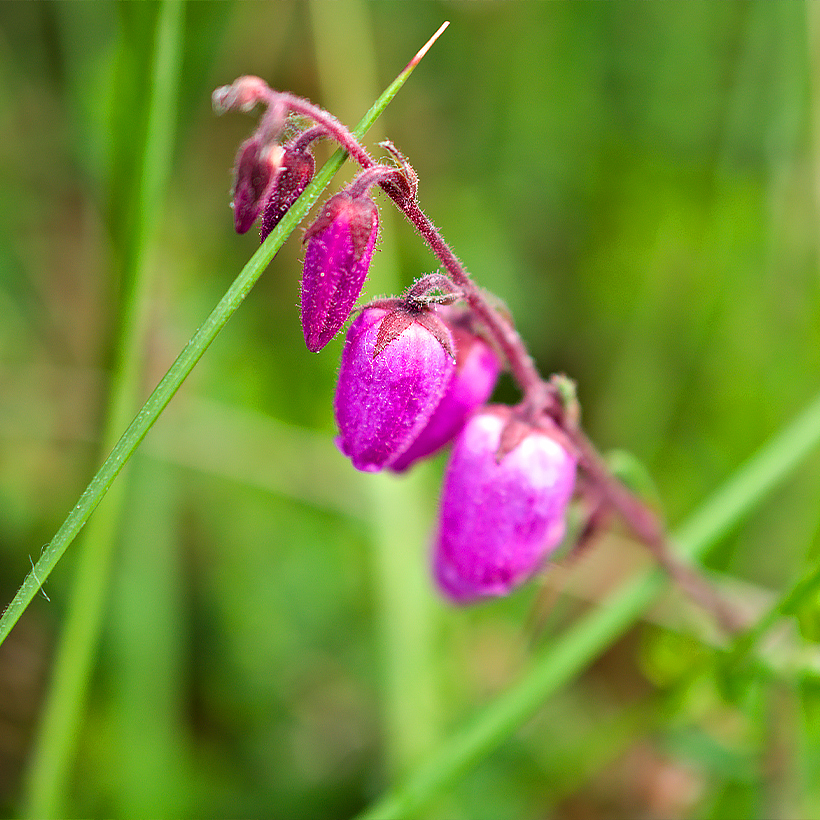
(295, 173)
(339, 248)
(256, 166)
(396, 366)
(477, 369)
(501, 513)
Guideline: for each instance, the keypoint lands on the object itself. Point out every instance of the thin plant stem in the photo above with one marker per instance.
(541, 398)
(649, 529)
(183, 365)
(558, 663)
(58, 736)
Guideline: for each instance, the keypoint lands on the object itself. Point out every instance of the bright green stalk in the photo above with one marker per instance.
(560, 662)
(182, 366)
(56, 744)
(51, 763)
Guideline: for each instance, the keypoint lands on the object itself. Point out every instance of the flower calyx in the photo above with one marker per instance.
(406, 182)
(401, 312)
(520, 422)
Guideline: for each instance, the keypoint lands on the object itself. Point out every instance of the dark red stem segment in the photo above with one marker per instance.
(506, 336)
(649, 529)
(539, 395)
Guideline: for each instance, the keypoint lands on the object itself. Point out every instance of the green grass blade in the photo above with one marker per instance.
(55, 747)
(182, 366)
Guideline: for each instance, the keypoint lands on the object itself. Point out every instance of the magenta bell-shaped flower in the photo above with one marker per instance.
(395, 368)
(477, 369)
(501, 513)
(339, 249)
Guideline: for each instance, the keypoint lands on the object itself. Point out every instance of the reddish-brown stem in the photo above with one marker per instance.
(651, 532)
(371, 176)
(301, 142)
(506, 336)
(540, 396)
(422, 287)
(332, 127)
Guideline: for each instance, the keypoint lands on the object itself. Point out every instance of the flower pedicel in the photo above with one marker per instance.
(408, 384)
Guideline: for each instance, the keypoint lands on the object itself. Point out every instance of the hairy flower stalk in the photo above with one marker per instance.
(387, 397)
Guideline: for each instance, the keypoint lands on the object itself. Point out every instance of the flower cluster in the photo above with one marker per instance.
(417, 370)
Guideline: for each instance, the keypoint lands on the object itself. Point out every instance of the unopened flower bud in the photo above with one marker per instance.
(501, 513)
(339, 249)
(295, 172)
(243, 94)
(477, 369)
(256, 165)
(394, 371)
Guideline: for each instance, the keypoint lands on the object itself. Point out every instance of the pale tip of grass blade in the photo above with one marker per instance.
(426, 47)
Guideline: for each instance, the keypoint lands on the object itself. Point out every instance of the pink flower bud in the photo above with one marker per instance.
(244, 93)
(501, 513)
(295, 173)
(339, 249)
(256, 166)
(477, 369)
(395, 369)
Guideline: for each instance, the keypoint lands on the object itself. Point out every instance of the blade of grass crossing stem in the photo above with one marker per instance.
(50, 766)
(184, 363)
(558, 663)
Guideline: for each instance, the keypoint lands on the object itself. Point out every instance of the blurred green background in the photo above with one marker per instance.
(639, 184)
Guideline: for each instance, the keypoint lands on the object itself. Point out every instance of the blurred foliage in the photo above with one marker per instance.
(637, 182)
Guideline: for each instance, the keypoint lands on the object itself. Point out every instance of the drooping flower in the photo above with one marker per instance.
(337, 257)
(502, 513)
(256, 166)
(396, 366)
(477, 370)
(295, 172)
